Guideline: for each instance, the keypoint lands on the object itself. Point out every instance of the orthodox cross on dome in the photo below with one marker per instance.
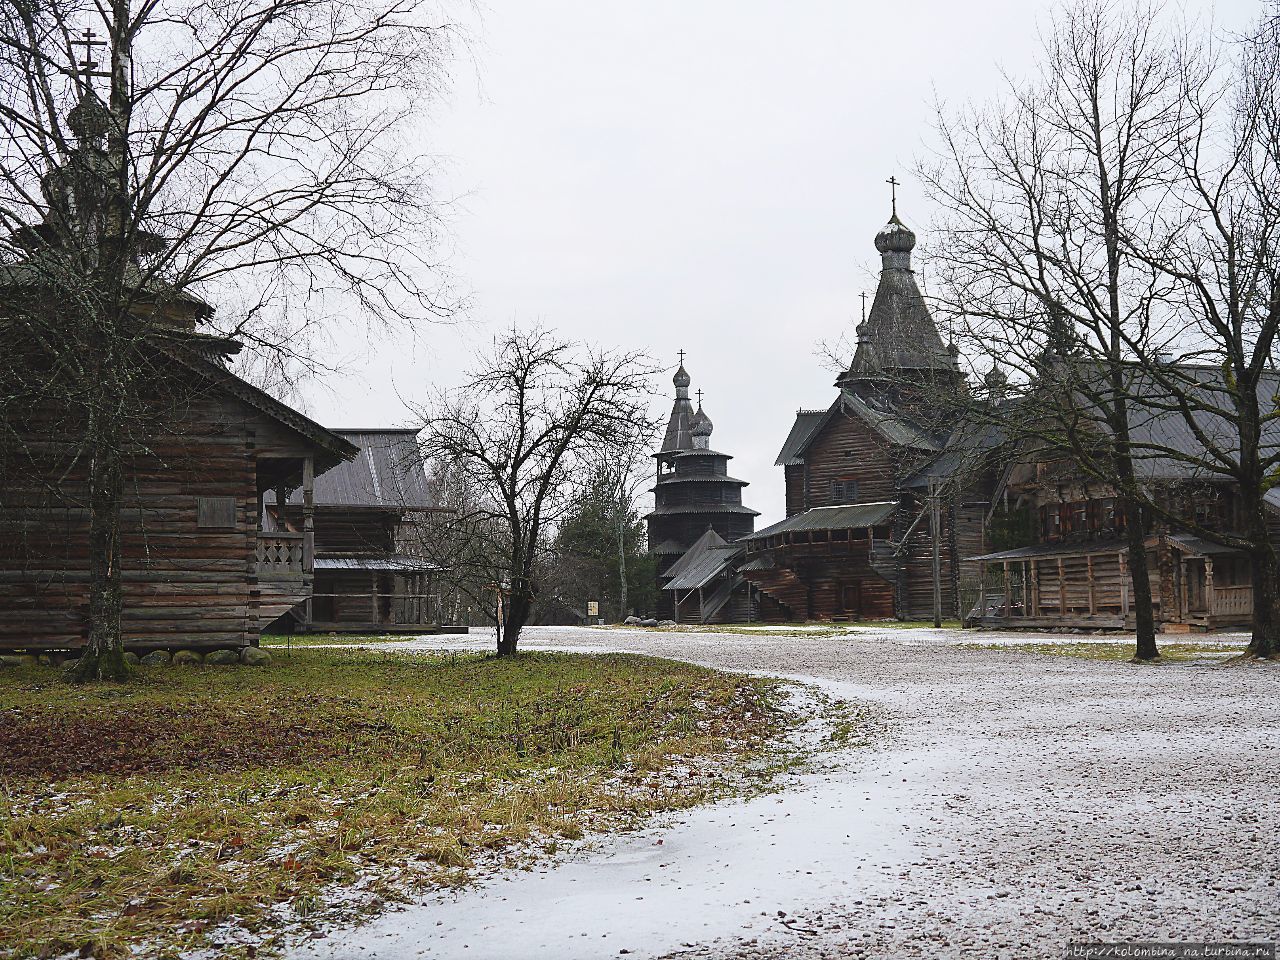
(893, 193)
(88, 66)
(864, 305)
(681, 355)
(699, 395)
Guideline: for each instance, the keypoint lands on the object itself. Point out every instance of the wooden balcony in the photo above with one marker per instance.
(282, 556)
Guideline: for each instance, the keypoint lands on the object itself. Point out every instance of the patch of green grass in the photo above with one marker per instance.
(1169, 651)
(332, 639)
(141, 816)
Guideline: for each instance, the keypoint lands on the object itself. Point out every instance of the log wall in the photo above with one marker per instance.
(184, 586)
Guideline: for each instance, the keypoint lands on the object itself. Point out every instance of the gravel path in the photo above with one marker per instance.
(1022, 802)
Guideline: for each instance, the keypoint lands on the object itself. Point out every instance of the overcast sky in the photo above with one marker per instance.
(704, 175)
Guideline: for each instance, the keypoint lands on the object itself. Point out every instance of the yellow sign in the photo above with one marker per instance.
(593, 608)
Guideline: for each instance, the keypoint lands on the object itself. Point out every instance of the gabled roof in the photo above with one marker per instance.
(709, 557)
(387, 472)
(704, 542)
(807, 422)
(966, 448)
(853, 516)
(894, 426)
(331, 449)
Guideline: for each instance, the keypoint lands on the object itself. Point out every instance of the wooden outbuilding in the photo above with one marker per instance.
(370, 575)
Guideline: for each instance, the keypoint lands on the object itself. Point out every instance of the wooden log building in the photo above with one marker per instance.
(1065, 557)
(370, 575)
(883, 474)
(198, 570)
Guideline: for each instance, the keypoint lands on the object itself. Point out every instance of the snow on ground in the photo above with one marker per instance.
(1023, 801)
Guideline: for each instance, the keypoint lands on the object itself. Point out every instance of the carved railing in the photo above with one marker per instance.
(281, 555)
(1232, 601)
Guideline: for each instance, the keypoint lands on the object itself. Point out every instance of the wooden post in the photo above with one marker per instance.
(1093, 596)
(1208, 585)
(1034, 605)
(308, 514)
(1062, 588)
(1008, 591)
(373, 597)
(935, 529)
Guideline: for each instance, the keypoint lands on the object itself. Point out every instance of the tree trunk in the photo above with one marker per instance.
(1143, 611)
(1265, 639)
(518, 609)
(622, 558)
(103, 656)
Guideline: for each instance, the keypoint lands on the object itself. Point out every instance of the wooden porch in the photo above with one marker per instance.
(1053, 587)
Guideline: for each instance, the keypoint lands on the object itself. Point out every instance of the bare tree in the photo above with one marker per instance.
(523, 431)
(1216, 249)
(1046, 194)
(154, 152)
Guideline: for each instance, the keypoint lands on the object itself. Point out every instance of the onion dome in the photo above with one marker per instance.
(895, 237)
(682, 378)
(89, 119)
(702, 425)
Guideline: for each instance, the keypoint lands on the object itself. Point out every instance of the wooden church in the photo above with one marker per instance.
(887, 488)
(199, 567)
(697, 518)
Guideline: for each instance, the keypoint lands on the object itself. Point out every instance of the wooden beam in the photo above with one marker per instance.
(1008, 591)
(1035, 588)
(1208, 585)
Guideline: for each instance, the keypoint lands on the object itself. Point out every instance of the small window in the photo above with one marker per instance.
(844, 491)
(216, 513)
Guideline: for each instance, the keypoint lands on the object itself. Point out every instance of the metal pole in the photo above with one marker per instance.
(935, 523)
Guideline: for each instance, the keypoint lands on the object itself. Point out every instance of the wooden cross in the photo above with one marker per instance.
(699, 393)
(864, 305)
(893, 193)
(681, 352)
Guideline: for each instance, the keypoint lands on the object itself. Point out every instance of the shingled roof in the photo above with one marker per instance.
(898, 335)
(387, 472)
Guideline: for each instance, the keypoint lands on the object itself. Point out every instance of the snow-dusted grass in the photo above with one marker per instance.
(205, 806)
(1012, 804)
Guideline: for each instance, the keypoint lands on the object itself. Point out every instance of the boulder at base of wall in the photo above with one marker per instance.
(255, 657)
(187, 658)
(131, 658)
(221, 658)
(156, 658)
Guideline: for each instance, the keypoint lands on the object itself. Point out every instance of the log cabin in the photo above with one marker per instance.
(199, 570)
(883, 476)
(370, 575)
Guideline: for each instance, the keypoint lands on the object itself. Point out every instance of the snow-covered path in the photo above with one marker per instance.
(1023, 802)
